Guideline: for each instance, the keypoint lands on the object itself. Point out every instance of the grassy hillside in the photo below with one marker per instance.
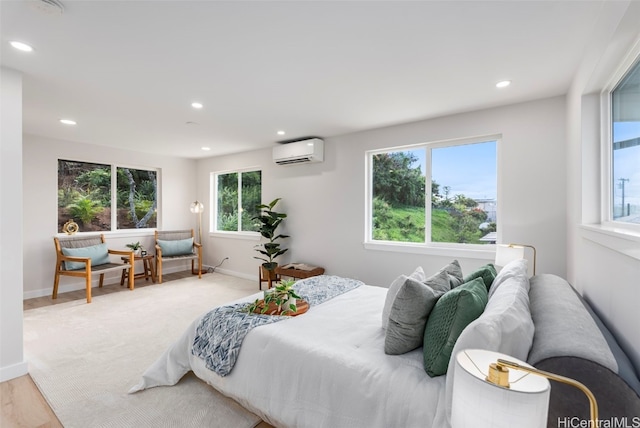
(406, 224)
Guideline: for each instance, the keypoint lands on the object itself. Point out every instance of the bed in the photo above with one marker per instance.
(328, 367)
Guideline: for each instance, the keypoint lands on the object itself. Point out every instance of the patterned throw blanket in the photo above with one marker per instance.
(221, 331)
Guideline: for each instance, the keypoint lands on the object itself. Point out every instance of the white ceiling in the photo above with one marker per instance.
(127, 71)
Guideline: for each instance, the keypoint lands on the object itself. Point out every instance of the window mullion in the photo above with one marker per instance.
(427, 199)
(239, 202)
(114, 197)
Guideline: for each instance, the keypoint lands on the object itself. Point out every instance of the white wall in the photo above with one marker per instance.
(176, 184)
(597, 264)
(12, 362)
(325, 201)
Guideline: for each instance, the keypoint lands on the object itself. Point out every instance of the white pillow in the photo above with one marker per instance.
(417, 274)
(505, 326)
(514, 268)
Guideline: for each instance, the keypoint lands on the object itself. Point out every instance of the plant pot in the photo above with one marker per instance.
(268, 273)
(290, 301)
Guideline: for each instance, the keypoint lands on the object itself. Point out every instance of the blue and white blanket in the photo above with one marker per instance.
(221, 331)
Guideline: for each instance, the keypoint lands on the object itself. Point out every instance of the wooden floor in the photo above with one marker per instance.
(23, 406)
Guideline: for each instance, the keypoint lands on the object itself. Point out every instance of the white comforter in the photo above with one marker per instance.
(325, 368)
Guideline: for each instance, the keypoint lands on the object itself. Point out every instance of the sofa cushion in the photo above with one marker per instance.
(99, 255)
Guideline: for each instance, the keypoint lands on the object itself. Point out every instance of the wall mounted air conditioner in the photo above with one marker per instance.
(304, 151)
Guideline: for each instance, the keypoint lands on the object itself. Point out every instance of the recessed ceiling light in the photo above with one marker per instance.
(21, 46)
(196, 105)
(68, 121)
(206, 149)
(503, 84)
(280, 132)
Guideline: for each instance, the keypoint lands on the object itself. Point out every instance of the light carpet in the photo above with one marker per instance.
(85, 357)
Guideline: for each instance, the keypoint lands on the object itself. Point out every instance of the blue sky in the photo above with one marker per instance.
(468, 169)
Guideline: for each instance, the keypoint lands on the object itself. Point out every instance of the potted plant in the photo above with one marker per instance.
(269, 220)
(280, 300)
(136, 247)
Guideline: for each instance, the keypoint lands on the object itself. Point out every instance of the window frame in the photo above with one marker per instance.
(607, 221)
(449, 249)
(114, 231)
(213, 198)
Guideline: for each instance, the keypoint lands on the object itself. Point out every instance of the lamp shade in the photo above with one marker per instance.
(478, 403)
(508, 253)
(196, 207)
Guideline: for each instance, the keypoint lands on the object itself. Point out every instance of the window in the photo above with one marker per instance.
(85, 196)
(625, 154)
(458, 205)
(236, 196)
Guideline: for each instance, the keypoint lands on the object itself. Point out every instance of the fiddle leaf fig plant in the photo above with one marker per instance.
(269, 220)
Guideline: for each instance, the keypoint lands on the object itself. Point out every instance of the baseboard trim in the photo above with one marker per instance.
(13, 371)
(74, 284)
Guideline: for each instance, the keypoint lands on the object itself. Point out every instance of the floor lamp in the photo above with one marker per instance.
(197, 208)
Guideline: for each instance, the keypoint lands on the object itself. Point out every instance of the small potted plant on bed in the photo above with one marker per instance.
(280, 300)
(285, 296)
(136, 247)
(268, 222)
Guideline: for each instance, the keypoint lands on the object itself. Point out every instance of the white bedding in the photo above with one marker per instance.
(325, 368)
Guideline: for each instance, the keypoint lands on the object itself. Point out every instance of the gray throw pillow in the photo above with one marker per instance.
(418, 274)
(454, 271)
(409, 312)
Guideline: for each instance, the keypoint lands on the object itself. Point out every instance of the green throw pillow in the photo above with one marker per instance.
(451, 314)
(179, 247)
(99, 255)
(487, 273)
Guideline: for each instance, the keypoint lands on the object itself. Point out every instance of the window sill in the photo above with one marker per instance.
(470, 251)
(624, 241)
(250, 236)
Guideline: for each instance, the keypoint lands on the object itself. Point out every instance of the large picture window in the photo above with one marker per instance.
(85, 196)
(625, 155)
(236, 195)
(434, 193)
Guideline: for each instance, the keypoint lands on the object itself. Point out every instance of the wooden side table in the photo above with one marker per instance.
(299, 273)
(147, 264)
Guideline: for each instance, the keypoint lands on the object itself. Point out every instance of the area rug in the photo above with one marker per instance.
(85, 357)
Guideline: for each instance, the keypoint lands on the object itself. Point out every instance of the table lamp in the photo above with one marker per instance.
(197, 208)
(487, 394)
(506, 253)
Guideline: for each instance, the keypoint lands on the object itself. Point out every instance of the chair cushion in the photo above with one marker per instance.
(99, 255)
(178, 247)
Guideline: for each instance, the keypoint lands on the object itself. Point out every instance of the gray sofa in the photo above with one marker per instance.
(571, 340)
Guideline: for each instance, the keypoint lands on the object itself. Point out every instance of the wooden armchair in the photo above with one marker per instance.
(84, 256)
(174, 245)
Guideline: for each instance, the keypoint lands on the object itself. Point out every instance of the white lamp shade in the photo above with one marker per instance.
(508, 253)
(478, 403)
